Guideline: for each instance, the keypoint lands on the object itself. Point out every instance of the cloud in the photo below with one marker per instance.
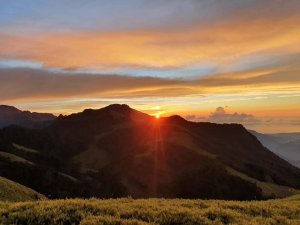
(269, 76)
(191, 117)
(266, 124)
(26, 84)
(111, 15)
(18, 84)
(218, 43)
(220, 115)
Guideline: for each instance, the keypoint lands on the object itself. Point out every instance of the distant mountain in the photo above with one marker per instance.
(286, 145)
(118, 151)
(10, 115)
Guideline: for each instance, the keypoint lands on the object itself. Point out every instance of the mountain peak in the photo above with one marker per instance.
(118, 107)
(112, 107)
(8, 108)
(10, 115)
(176, 119)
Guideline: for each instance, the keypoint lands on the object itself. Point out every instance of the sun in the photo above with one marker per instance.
(157, 112)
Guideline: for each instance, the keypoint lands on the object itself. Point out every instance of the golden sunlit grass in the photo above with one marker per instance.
(152, 211)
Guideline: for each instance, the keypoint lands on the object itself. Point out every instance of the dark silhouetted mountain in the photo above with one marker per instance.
(10, 115)
(285, 145)
(118, 151)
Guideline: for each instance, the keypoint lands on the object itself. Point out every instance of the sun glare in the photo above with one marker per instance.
(157, 116)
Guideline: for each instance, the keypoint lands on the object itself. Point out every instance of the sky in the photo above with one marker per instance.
(224, 61)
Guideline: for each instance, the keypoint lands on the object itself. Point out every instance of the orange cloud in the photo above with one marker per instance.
(17, 84)
(220, 44)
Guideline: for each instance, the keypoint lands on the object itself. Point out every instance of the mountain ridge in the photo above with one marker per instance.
(118, 151)
(285, 145)
(10, 115)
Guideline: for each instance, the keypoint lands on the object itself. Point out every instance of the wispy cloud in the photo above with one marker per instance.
(218, 44)
(42, 84)
(220, 115)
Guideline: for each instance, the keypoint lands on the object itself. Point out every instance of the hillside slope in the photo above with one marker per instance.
(12, 191)
(117, 151)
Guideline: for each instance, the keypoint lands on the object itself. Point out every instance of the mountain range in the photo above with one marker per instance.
(286, 145)
(10, 115)
(118, 151)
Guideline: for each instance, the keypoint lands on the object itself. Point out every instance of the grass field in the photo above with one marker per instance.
(152, 211)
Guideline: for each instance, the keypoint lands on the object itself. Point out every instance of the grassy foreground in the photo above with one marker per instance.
(151, 211)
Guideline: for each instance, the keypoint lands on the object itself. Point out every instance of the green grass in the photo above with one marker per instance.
(152, 211)
(12, 191)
